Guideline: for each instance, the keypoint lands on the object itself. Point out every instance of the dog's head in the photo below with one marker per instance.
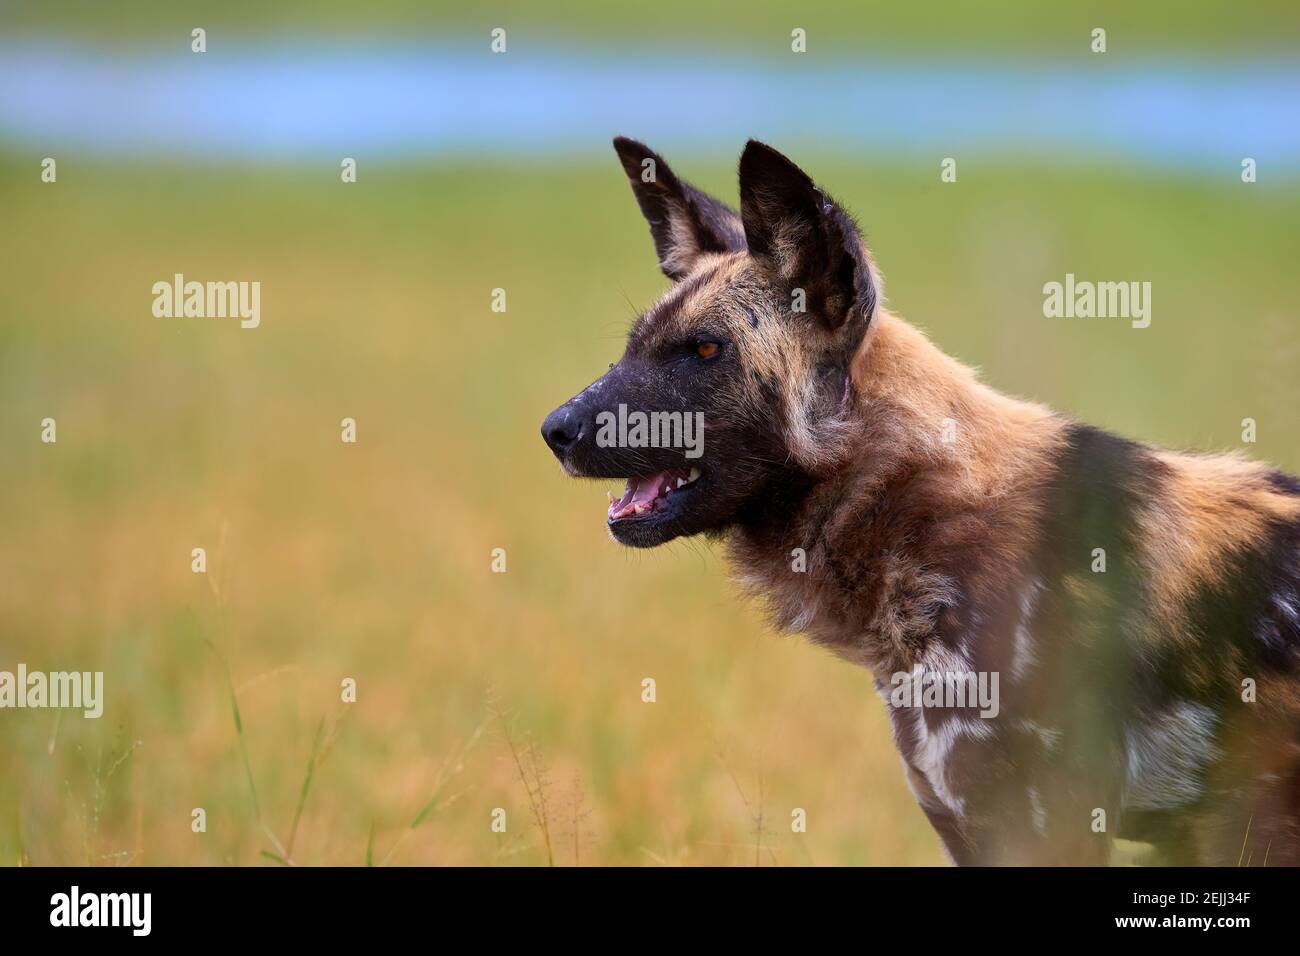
(737, 379)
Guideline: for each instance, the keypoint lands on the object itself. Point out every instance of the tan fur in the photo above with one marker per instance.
(986, 482)
(1208, 508)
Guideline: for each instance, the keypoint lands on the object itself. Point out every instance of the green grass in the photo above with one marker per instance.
(848, 27)
(373, 561)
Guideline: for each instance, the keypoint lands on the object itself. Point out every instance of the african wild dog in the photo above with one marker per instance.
(948, 529)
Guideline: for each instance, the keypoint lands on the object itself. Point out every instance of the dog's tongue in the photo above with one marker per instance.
(640, 494)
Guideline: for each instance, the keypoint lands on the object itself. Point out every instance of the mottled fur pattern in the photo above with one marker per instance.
(1140, 607)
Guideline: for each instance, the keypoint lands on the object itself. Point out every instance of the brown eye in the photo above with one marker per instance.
(706, 349)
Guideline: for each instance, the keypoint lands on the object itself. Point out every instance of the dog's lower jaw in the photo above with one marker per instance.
(636, 533)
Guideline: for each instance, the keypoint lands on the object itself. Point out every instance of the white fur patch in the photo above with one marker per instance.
(1023, 656)
(1037, 810)
(934, 747)
(1166, 753)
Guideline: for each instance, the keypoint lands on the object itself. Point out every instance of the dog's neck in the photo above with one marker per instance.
(934, 504)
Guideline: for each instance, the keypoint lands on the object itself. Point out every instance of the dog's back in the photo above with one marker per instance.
(1169, 627)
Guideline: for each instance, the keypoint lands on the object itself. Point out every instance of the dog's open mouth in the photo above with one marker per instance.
(645, 496)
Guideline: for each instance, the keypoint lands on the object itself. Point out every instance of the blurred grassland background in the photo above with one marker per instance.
(372, 561)
(1043, 29)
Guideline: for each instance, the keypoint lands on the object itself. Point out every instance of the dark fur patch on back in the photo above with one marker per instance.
(1286, 484)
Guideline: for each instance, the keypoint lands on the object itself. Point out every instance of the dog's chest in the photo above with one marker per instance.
(870, 609)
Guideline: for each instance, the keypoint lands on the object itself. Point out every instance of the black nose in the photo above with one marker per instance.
(562, 429)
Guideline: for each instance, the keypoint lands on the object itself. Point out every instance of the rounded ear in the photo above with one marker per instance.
(684, 222)
(805, 240)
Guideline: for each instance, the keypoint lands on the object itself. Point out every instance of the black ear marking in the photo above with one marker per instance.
(684, 222)
(805, 239)
(775, 194)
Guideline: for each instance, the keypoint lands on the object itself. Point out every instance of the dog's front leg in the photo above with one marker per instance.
(943, 820)
(977, 835)
(1043, 815)
(994, 805)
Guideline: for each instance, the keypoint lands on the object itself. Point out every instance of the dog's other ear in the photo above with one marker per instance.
(806, 241)
(684, 222)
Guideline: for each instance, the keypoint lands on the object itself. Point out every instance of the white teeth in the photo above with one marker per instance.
(669, 485)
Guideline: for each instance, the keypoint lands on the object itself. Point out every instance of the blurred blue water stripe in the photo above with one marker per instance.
(286, 102)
